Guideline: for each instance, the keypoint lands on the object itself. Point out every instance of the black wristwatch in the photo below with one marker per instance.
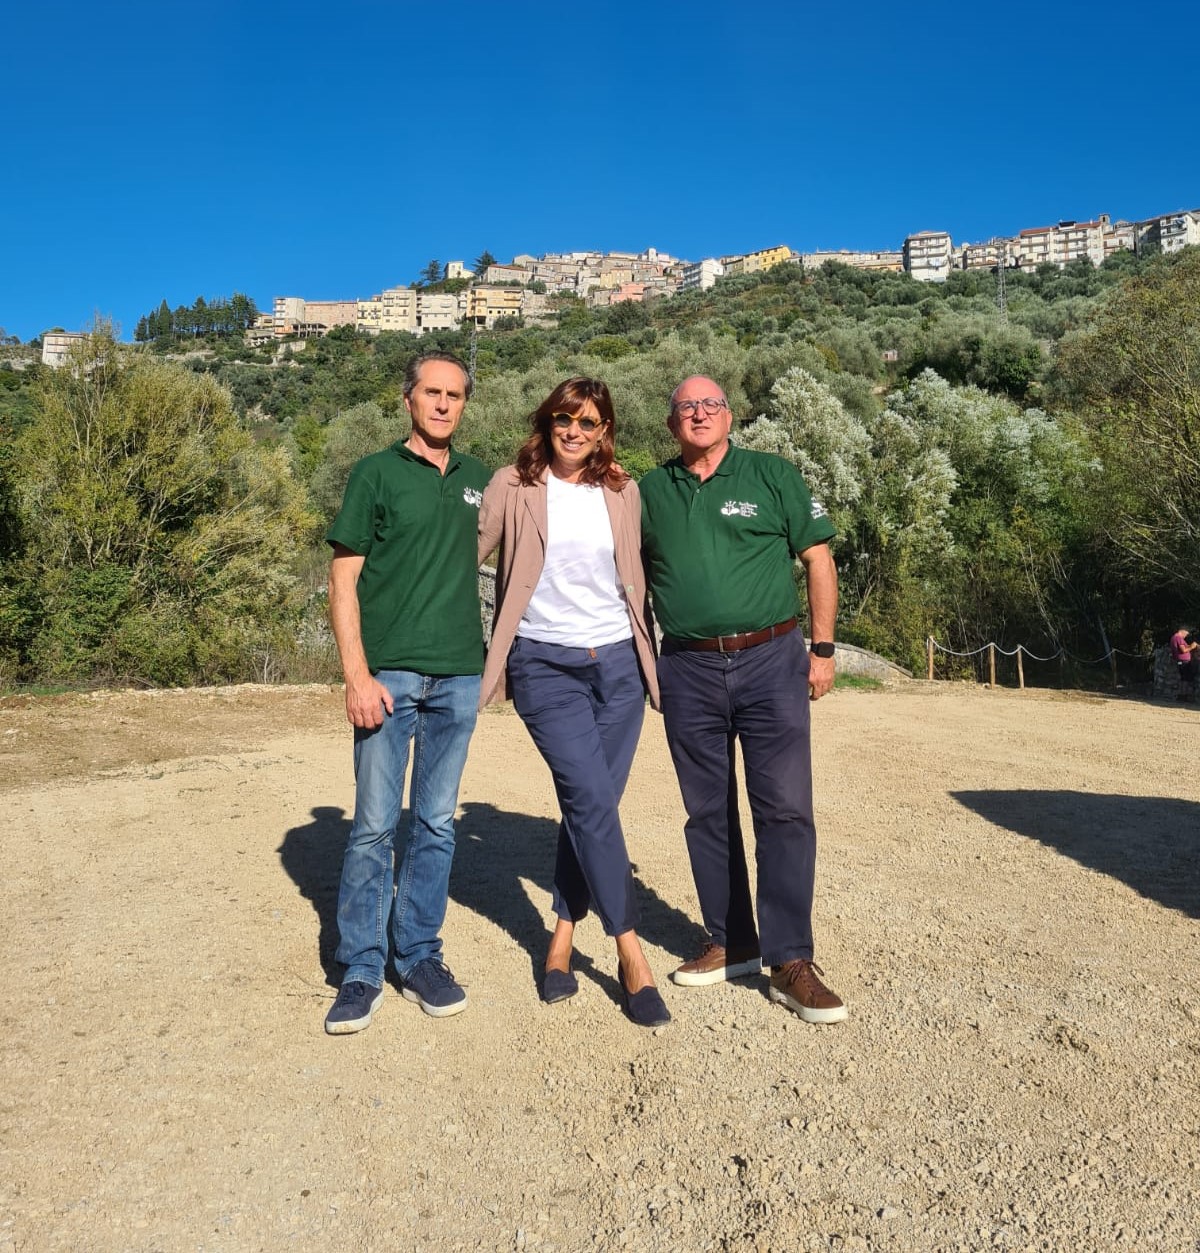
(822, 648)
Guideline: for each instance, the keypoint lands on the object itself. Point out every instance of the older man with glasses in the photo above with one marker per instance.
(721, 527)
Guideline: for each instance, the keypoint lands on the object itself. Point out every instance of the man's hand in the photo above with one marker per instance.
(366, 697)
(820, 676)
(366, 700)
(821, 576)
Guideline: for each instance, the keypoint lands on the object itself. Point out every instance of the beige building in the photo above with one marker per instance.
(440, 311)
(1059, 244)
(985, 256)
(330, 313)
(886, 261)
(394, 309)
(1053, 245)
(57, 345)
(928, 256)
(1079, 241)
(1178, 230)
(262, 332)
(289, 314)
(1120, 236)
(310, 319)
(507, 274)
(487, 305)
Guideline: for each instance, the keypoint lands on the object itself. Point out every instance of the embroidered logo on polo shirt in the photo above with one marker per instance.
(473, 496)
(739, 509)
(818, 509)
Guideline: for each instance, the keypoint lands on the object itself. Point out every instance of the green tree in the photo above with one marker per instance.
(481, 263)
(160, 534)
(308, 440)
(810, 427)
(243, 311)
(1134, 375)
(433, 273)
(1001, 574)
(352, 435)
(609, 347)
(163, 328)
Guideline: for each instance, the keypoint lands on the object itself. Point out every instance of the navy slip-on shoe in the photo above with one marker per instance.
(645, 1008)
(559, 985)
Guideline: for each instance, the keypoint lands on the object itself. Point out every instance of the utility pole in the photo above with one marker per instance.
(1001, 294)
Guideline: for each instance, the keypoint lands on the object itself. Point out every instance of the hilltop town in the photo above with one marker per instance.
(535, 289)
(526, 286)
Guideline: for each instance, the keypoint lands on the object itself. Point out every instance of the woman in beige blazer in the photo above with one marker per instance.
(572, 647)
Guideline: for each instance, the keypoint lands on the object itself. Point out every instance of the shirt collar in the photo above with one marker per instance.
(681, 473)
(407, 453)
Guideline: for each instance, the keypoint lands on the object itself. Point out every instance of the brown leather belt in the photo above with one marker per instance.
(735, 643)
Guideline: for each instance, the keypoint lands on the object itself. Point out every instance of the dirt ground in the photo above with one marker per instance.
(1008, 898)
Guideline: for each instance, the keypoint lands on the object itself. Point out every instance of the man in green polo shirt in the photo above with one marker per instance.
(721, 527)
(404, 604)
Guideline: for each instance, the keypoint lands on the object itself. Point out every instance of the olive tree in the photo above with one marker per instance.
(160, 535)
(1134, 378)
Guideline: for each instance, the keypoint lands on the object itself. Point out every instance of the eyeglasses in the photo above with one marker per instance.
(712, 405)
(562, 422)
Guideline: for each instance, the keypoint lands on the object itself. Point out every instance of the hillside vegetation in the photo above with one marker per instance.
(1031, 478)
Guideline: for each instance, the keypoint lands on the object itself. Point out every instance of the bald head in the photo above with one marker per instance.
(708, 388)
(701, 421)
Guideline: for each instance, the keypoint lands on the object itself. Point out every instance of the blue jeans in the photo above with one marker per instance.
(436, 715)
(760, 697)
(584, 709)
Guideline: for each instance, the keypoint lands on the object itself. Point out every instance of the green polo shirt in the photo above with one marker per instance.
(418, 593)
(719, 553)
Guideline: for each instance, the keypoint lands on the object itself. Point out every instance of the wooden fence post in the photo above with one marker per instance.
(992, 664)
(929, 654)
(1020, 670)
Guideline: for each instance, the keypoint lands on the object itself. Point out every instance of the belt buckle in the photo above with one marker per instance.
(721, 643)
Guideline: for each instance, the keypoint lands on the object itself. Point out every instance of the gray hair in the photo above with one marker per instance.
(413, 373)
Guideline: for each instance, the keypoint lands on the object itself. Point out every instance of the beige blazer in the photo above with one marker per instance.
(514, 517)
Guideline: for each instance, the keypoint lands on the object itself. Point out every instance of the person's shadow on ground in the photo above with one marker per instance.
(496, 852)
(312, 856)
(1151, 843)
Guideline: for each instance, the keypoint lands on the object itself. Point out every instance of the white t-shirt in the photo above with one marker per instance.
(578, 601)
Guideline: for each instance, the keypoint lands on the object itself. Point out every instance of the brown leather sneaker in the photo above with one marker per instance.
(715, 965)
(795, 985)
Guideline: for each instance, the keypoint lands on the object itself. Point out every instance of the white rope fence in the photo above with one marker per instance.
(1020, 653)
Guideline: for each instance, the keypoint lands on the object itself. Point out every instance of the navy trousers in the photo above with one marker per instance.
(760, 697)
(584, 709)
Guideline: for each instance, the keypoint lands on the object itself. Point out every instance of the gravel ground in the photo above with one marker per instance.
(1008, 898)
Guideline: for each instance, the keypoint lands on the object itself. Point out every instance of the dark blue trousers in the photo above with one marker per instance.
(584, 709)
(760, 697)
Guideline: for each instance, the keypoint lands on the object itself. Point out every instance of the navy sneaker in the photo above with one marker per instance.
(434, 988)
(352, 1011)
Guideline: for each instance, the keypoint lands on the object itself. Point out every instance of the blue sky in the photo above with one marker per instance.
(329, 151)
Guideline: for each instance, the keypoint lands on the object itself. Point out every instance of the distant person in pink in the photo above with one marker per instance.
(1183, 651)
